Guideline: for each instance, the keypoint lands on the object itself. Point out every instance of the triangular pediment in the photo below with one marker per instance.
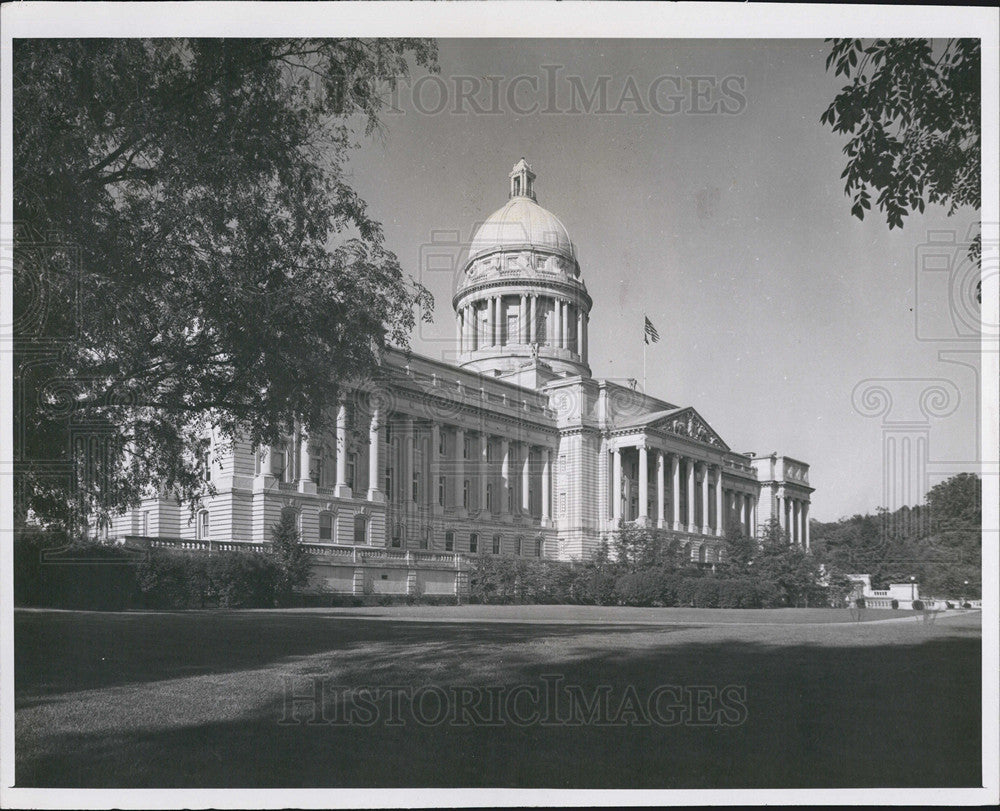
(688, 423)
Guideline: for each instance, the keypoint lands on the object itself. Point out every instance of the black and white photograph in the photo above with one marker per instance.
(462, 404)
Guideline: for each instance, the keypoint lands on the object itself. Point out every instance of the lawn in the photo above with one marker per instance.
(783, 698)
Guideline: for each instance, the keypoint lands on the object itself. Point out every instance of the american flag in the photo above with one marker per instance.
(652, 336)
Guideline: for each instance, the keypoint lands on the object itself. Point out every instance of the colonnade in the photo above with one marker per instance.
(436, 465)
(673, 469)
(793, 517)
(567, 328)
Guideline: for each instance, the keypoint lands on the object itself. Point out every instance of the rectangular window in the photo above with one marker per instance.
(442, 487)
(416, 486)
(360, 529)
(208, 467)
(519, 545)
(144, 526)
(510, 499)
(326, 526)
(425, 537)
(496, 544)
(352, 468)
(449, 541)
(203, 525)
(316, 466)
(511, 336)
(465, 494)
(465, 448)
(489, 496)
(474, 542)
(388, 483)
(278, 462)
(442, 444)
(397, 534)
(489, 451)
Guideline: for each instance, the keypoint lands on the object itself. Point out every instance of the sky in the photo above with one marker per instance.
(787, 323)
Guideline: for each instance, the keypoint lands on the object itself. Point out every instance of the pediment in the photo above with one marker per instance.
(690, 424)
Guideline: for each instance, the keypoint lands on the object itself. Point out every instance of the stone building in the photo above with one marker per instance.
(515, 449)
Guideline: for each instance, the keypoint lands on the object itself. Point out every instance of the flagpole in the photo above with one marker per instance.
(644, 343)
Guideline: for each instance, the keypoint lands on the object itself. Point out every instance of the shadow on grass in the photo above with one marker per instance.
(893, 707)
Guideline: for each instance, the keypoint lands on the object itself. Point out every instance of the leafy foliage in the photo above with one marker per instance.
(912, 110)
(939, 543)
(290, 557)
(189, 250)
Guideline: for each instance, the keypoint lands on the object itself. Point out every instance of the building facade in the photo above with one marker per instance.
(515, 449)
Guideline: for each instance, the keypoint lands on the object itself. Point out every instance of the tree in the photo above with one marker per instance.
(189, 253)
(290, 556)
(740, 549)
(912, 110)
(638, 547)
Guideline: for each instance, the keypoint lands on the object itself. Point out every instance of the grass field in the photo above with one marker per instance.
(781, 698)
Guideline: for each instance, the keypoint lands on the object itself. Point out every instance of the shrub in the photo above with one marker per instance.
(895, 603)
(641, 588)
(918, 605)
(169, 579)
(966, 605)
(948, 604)
(706, 593)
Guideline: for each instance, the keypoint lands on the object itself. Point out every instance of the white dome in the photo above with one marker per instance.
(522, 223)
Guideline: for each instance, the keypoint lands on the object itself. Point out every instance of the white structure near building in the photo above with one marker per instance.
(516, 449)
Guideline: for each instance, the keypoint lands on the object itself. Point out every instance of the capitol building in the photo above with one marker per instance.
(515, 449)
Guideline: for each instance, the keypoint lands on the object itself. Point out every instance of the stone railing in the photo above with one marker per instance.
(371, 555)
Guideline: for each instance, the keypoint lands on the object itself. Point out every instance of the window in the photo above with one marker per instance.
(397, 534)
(517, 186)
(449, 541)
(538, 546)
(144, 525)
(352, 468)
(510, 499)
(316, 466)
(442, 485)
(388, 483)
(360, 529)
(519, 546)
(326, 526)
(511, 337)
(474, 542)
(442, 444)
(489, 451)
(489, 496)
(465, 494)
(466, 444)
(496, 544)
(416, 486)
(207, 461)
(203, 525)
(425, 538)
(278, 461)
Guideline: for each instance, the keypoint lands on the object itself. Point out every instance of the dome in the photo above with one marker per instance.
(522, 223)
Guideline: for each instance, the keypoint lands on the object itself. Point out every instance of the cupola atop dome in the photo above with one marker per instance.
(522, 180)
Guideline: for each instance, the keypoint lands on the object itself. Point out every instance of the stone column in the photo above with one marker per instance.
(778, 510)
(643, 484)
(533, 320)
(661, 510)
(484, 469)
(557, 323)
(459, 488)
(522, 320)
(565, 325)
(675, 491)
(689, 465)
(579, 331)
(460, 329)
(525, 478)
(504, 475)
(753, 516)
(406, 446)
(490, 321)
(374, 478)
(796, 522)
(719, 523)
(546, 485)
(342, 490)
(586, 338)
(705, 530)
(306, 484)
(616, 485)
(745, 513)
(805, 524)
(435, 469)
(498, 321)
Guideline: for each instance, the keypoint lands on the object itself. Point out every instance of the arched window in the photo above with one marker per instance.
(496, 545)
(449, 541)
(278, 461)
(326, 526)
(360, 529)
(538, 546)
(425, 538)
(203, 525)
(397, 534)
(474, 542)
(519, 546)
